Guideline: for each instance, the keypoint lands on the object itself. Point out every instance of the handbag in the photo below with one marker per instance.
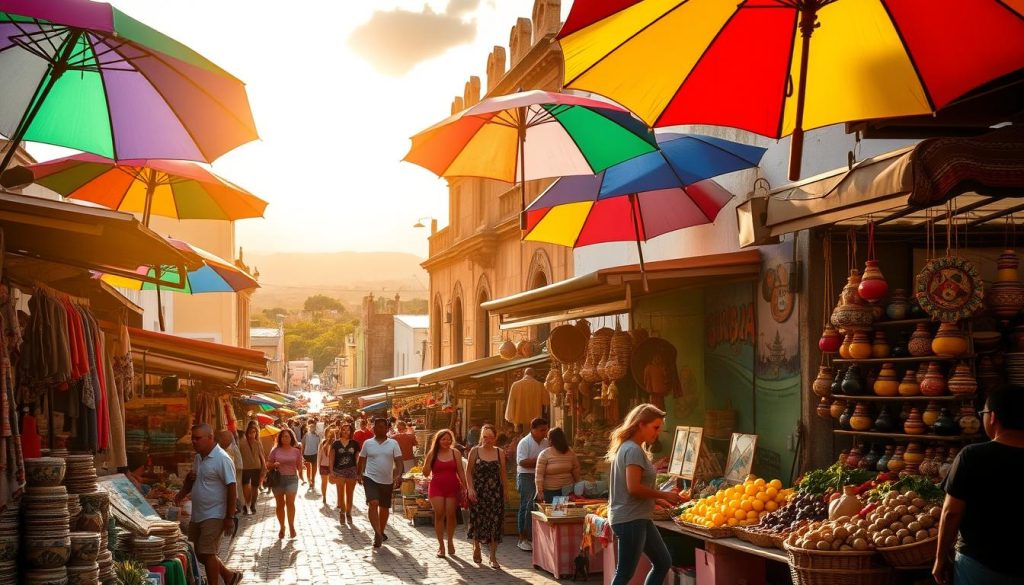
(273, 479)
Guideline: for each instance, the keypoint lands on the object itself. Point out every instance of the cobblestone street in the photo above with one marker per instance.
(325, 552)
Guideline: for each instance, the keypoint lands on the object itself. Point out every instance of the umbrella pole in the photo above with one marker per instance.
(147, 210)
(54, 71)
(522, 169)
(636, 232)
(808, 22)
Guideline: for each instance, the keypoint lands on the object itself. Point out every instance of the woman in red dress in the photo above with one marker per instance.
(443, 465)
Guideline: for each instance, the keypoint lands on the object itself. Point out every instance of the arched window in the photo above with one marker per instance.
(540, 332)
(458, 334)
(436, 323)
(483, 327)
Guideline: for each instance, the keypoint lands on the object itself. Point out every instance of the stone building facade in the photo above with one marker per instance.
(479, 256)
(376, 340)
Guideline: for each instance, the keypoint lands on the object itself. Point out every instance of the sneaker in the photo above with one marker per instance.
(525, 545)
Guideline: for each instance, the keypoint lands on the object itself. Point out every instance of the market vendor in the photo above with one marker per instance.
(137, 470)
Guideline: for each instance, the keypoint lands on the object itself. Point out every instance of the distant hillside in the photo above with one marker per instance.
(288, 278)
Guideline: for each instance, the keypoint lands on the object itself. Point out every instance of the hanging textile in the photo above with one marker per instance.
(117, 454)
(12, 463)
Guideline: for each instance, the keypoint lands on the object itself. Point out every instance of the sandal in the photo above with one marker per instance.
(495, 565)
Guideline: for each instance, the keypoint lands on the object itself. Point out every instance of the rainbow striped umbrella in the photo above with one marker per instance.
(215, 275)
(170, 188)
(87, 76)
(531, 135)
(777, 67)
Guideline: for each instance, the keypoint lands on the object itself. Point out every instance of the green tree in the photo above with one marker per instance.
(320, 303)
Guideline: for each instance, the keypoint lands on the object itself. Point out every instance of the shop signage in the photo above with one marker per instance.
(732, 324)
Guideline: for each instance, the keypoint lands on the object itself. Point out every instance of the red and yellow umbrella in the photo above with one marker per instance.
(777, 67)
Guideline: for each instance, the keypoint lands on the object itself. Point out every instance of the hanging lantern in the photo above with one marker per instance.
(872, 287)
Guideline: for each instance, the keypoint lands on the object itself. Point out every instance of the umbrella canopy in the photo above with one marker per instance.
(85, 75)
(215, 275)
(804, 63)
(531, 135)
(169, 188)
(285, 411)
(269, 431)
(264, 419)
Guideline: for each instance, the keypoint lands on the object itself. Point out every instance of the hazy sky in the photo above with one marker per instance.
(337, 87)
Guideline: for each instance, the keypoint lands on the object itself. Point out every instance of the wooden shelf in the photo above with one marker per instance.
(904, 360)
(902, 322)
(945, 398)
(904, 436)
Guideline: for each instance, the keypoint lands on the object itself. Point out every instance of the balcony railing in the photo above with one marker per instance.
(441, 241)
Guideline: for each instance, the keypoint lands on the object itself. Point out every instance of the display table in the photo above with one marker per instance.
(556, 542)
(771, 554)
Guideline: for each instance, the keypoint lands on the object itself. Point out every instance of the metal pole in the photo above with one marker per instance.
(636, 232)
(522, 168)
(147, 209)
(808, 22)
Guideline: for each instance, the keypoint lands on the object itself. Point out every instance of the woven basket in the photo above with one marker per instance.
(802, 576)
(759, 538)
(833, 560)
(710, 533)
(917, 554)
(719, 424)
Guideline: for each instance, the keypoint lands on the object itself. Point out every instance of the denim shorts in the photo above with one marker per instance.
(289, 485)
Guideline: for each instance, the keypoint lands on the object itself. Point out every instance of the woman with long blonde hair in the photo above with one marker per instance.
(632, 496)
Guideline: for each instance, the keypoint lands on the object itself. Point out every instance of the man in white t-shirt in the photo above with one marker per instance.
(310, 447)
(527, 452)
(379, 469)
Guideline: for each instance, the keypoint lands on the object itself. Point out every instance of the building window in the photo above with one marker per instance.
(436, 322)
(457, 331)
(483, 327)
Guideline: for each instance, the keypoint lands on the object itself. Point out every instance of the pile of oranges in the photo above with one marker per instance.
(739, 505)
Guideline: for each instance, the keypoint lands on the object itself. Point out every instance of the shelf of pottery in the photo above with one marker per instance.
(903, 374)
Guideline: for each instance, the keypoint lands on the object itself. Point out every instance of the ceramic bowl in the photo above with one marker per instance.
(83, 574)
(45, 471)
(46, 552)
(8, 548)
(58, 576)
(95, 501)
(85, 547)
(38, 490)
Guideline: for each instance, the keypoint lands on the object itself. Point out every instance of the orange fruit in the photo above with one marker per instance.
(751, 515)
(746, 506)
(771, 492)
(718, 519)
(758, 505)
(740, 514)
(771, 506)
(750, 489)
(775, 484)
(759, 482)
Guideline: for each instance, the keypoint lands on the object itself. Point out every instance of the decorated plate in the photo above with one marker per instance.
(949, 289)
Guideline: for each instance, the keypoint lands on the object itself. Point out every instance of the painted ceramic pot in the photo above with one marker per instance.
(47, 552)
(909, 469)
(896, 463)
(844, 419)
(988, 376)
(883, 461)
(968, 420)
(914, 425)
(824, 408)
(45, 471)
(83, 574)
(887, 383)
(945, 424)
(870, 461)
(861, 419)
(852, 313)
(853, 459)
(1005, 299)
(822, 385)
(920, 343)
(880, 347)
(837, 409)
(830, 340)
(914, 454)
(927, 463)
(860, 346)
(1006, 267)
(885, 423)
(837, 383)
(90, 522)
(852, 385)
(85, 547)
(844, 347)
(949, 341)
(95, 502)
(931, 413)
(934, 383)
(962, 382)
(898, 305)
(872, 287)
(909, 386)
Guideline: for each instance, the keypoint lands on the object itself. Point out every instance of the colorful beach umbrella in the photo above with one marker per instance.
(169, 188)
(269, 431)
(264, 419)
(215, 275)
(778, 67)
(87, 76)
(531, 135)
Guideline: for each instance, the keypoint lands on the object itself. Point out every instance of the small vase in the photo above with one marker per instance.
(880, 347)
(885, 422)
(861, 418)
(860, 347)
(945, 424)
(914, 425)
(931, 413)
(883, 461)
(968, 420)
(928, 462)
(852, 385)
(949, 341)
(830, 340)
(962, 382)
(823, 409)
(847, 504)
(934, 383)
(909, 386)
(920, 343)
(854, 458)
(898, 305)
(872, 287)
(844, 419)
(822, 385)
(910, 468)
(913, 454)
(1005, 299)
(837, 383)
(844, 347)
(837, 409)
(870, 461)
(896, 463)
(886, 384)
(851, 312)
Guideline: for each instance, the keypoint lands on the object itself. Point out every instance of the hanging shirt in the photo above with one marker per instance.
(526, 399)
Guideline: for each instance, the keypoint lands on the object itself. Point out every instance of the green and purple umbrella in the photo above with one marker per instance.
(85, 75)
(215, 275)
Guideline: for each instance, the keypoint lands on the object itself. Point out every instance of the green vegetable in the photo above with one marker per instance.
(819, 481)
(917, 483)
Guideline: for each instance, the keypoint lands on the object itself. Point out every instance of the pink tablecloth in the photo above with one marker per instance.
(556, 544)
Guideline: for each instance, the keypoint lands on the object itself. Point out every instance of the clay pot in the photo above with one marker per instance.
(949, 341)
(46, 552)
(837, 408)
(844, 347)
(847, 504)
(872, 287)
(945, 424)
(896, 463)
(913, 454)
(885, 423)
(909, 385)
(526, 348)
(860, 346)
(1005, 299)
(823, 409)
(45, 471)
(861, 419)
(880, 347)
(886, 384)
(920, 343)
(854, 458)
(870, 461)
(851, 312)
(851, 385)
(898, 305)
(914, 425)
(909, 469)
(822, 385)
(844, 419)
(837, 383)
(931, 413)
(968, 420)
(927, 463)
(830, 339)
(507, 350)
(934, 383)
(85, 547)
(90, 522)
(883, 461)
(962, 381)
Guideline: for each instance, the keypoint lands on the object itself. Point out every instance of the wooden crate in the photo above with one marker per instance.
(409, 511)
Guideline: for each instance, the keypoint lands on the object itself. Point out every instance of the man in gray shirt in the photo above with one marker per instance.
(211, 484)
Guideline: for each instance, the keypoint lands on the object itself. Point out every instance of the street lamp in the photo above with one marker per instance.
(419, 222)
